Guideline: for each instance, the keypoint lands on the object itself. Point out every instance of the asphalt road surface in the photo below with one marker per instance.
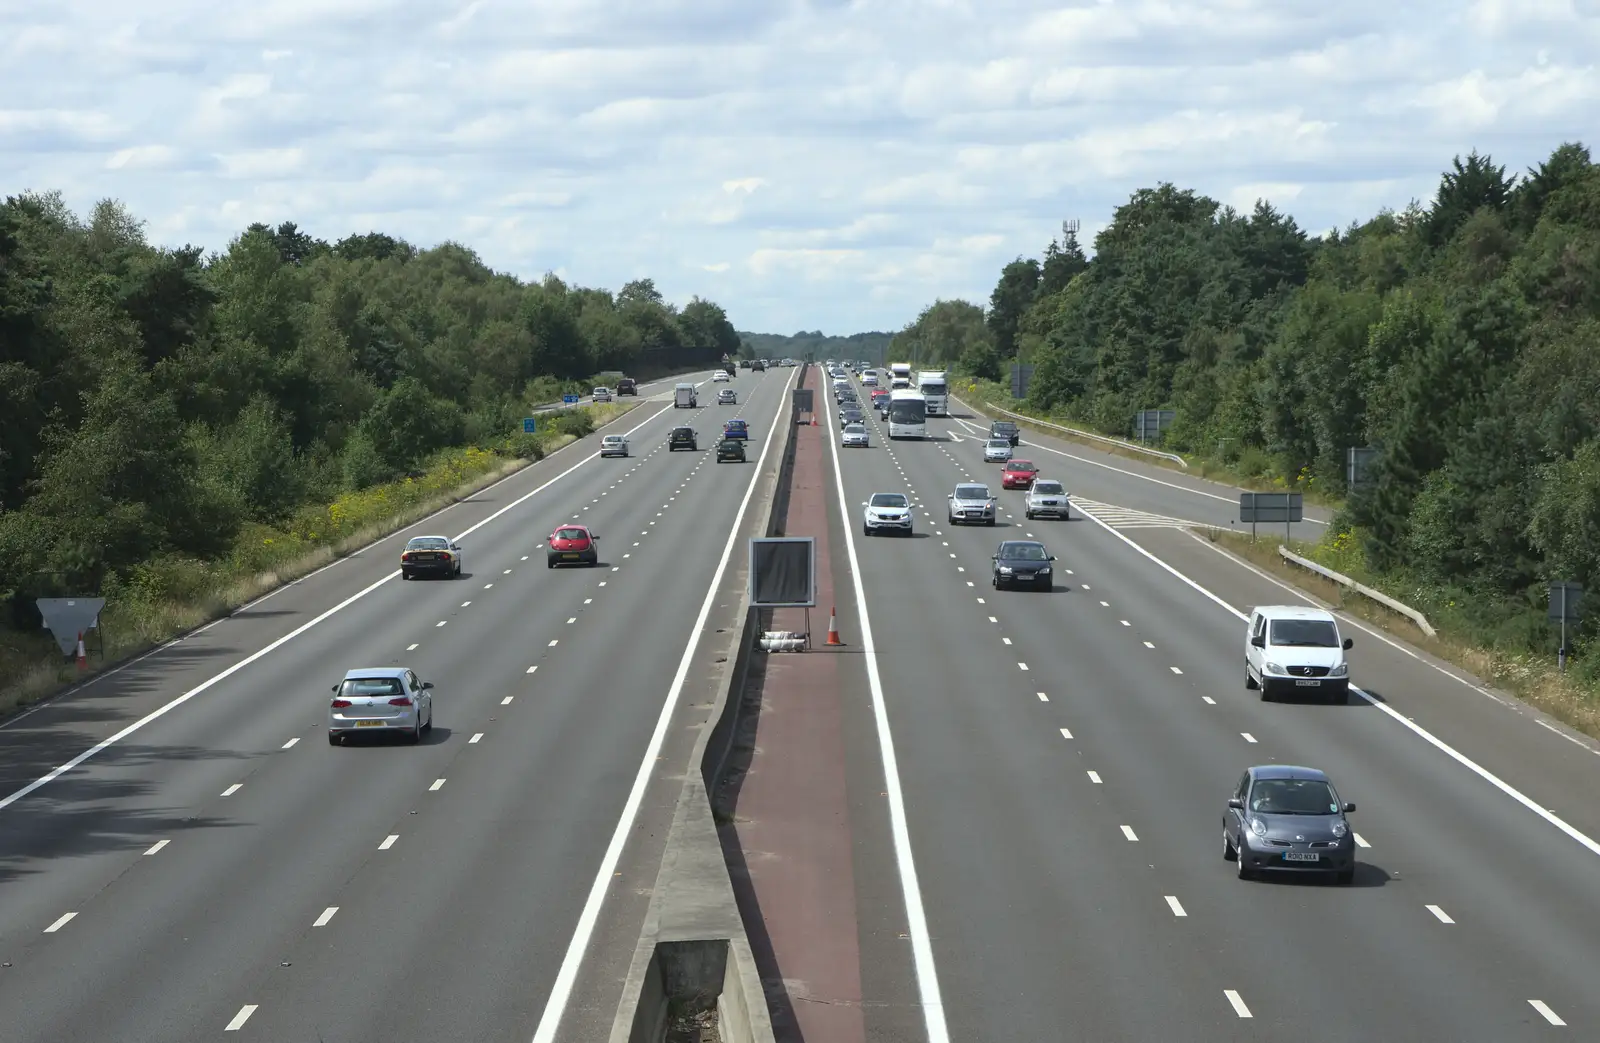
(220, 869)
(1065, 757)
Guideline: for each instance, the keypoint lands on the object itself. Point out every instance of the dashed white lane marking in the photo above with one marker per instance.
(290, 744)
(507, 700)
(959, 568)
(1007, 640)
(982, 602)
(438, 784)
(66, 918)
(635, 543)
(1022, 666)
(441, 622)
(507, 572)
(1443, 916)
(157, 846)
(1105, 604)
(588, 601)
(1175, 670)
(1066, 734)
(991, 618)
(240, 1018)
(533, 669)
(1147, 644)
(1175, 905)
(476, 738)
(388, 841)
(970, 583)
(1248, 737)
(1042, 697)
(1544, 1009)
(602, 583)
(1087, 587)
(464, 604)
(1094, 777)
(571, 621)
(1209, 701)
(554, 641)
(524, 558)
(1361, 841)
(231, 790)
(618, 568)
(412, 648)
(1238, 1003)
(327, 914)
(1128, 832)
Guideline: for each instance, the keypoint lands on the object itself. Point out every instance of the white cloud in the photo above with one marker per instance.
(832, 163)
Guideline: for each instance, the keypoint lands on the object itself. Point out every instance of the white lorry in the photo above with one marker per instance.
(684, 396)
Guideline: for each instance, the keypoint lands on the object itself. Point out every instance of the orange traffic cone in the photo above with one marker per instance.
(83, 658)
(833, 627)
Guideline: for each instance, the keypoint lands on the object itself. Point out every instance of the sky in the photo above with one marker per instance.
(808, 164)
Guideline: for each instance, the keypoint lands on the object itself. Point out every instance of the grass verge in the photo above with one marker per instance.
(1533, 678)
(168, 596)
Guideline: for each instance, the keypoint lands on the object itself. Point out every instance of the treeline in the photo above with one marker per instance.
(868, 346)
(1460, 339)
(155, 401)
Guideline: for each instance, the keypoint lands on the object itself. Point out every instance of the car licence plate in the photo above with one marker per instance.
(1301, 682)
(369, 724)
(1301, 856)
(571, 556)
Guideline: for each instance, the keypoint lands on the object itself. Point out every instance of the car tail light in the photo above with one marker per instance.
(404, 700)
(339, 704)
(405, 556)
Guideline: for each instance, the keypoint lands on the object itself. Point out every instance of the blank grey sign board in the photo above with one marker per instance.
(783, 572)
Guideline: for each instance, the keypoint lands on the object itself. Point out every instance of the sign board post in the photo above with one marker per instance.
(570, 400)
(1270, 507)
(530, 425)
(1358, 464)
(783, 574)
(66, 618)
(1566, 605)
(804, 403)
(1021, 377)
(1149, 424)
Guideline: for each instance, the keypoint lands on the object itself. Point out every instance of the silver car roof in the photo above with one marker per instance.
(370, 673)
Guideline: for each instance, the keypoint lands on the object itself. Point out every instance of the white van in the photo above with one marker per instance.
(1295, 648)
(685, 396)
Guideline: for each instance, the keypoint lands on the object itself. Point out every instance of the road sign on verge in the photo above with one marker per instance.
(1358, 464)
(66, 618)
(1270, 507)
(783, 572)
(1149, 424)
(530, 425)
(570, 400)
(1566, 606)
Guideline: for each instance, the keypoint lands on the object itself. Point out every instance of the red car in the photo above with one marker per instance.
(572, 545)
(1018, 474)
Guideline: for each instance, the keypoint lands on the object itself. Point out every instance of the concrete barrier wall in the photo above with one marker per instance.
(693, 953)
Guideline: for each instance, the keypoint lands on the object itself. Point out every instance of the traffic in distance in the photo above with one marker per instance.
(1279, 818)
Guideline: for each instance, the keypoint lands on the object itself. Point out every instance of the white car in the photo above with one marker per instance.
(602, 395)
(886, 512)
(972, 504)
(996, 450)
(869, 379)
(1295, 648)
(1047, 498)
(855, 435)
(720, 377)
(727, 397)
(614, 445)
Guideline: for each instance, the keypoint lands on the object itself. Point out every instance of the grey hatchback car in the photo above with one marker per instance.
(381, 700)
(1286, 818)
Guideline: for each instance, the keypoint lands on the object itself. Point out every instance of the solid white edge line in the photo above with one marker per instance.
(163, 710)
(1417, 729)
(566, 977)
(932, 1002)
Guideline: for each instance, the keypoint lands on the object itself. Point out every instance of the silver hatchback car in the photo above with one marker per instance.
(1284, 818)
(381, 700)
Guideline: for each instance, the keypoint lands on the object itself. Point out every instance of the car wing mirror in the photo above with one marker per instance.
(427, 686)
(1259, 642)
(1349, 643)
(1052, 557)
(1349, 808)
(1235, 803)
(335, 689)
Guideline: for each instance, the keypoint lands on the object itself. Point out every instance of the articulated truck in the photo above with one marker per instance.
(935, 392)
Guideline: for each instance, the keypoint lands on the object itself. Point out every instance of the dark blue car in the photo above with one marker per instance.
(736, 429)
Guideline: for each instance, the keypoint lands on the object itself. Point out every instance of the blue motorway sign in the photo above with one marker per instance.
(570, 399)
(530, 425)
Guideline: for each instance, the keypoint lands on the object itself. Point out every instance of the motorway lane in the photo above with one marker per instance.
(224, 900)
(1375, 962)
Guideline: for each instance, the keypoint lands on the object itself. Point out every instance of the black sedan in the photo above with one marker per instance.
(1282, 818)
(730, 449)
(1023, 562)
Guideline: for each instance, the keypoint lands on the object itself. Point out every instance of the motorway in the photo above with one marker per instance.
(217, 870)
(1063, 760)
